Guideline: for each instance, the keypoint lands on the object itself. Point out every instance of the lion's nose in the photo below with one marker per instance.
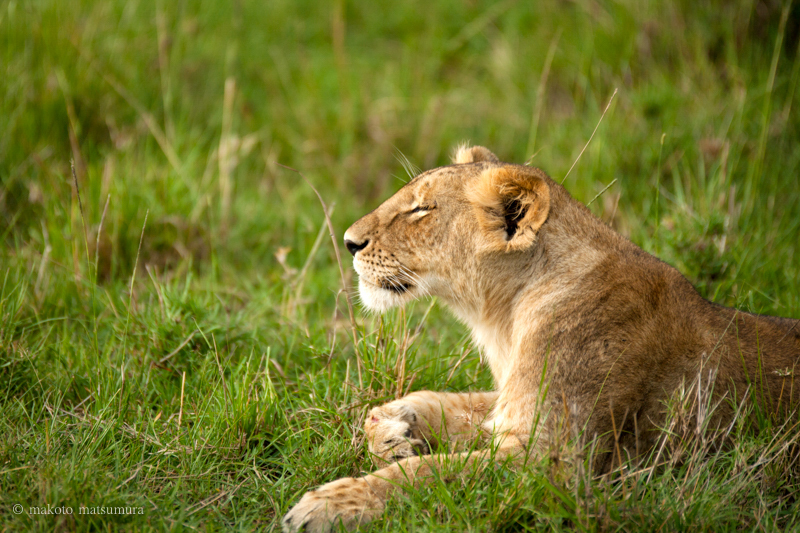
(354, 247)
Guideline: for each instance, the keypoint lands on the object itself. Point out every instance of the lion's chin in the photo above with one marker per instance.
(380, 299)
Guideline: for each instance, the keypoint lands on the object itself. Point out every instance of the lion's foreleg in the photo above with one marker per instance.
(415, 423)
(355, 501)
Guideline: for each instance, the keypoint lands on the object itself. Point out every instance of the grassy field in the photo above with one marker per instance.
(174, 337)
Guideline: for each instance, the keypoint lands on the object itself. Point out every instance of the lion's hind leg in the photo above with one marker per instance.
(416, 423)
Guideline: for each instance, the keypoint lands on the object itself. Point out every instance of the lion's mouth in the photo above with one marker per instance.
(396, 286)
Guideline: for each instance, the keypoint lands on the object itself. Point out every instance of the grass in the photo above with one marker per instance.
(201, 365)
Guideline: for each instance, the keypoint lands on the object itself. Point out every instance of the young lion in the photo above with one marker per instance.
(581, 329)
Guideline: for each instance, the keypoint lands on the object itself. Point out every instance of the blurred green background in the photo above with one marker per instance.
(179, 117)
(135, 93)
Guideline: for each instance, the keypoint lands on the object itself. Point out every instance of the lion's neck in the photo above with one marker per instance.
(516, 295)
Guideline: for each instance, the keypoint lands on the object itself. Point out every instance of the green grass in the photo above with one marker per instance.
(201, 365)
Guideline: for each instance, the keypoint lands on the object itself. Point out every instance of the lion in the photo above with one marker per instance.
(580, 327)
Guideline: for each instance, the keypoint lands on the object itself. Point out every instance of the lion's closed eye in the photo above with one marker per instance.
(422, 208)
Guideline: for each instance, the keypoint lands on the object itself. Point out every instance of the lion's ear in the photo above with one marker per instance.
(473, 154)
(510, 205)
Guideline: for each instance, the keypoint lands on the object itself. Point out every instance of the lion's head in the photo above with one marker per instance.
(449, 230)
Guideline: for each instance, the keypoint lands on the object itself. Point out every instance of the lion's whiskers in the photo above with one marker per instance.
(424, 289)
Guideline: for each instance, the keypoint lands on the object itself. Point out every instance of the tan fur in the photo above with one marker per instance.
(503, 195)
(472, 154)
(420, 421)
(584, 332)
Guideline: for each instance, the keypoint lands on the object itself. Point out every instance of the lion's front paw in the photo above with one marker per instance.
(347, 501)
(393, 433)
